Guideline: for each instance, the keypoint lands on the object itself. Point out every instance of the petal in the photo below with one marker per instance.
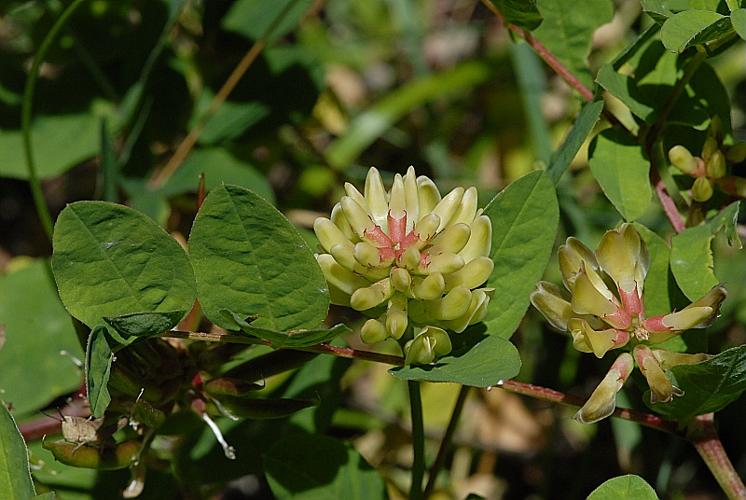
(454, 304)
(467, 210)
(336, 275)
(397, 198)
(480, 240)
(669, 359)
(623, 255)
(429, 288)
(412, 198)
(602, 402)
(356, 215)
(479, 300)
(446, 208)
(552, 303)
(689, 317)
(329, 234)
(445, 263)
(339, 220)
(369, 297)
(428, 195)
(590, 296)
(586, 339)
(661, 388)
(375, 195)
(452, 239)
(473, 274)
(572, 256)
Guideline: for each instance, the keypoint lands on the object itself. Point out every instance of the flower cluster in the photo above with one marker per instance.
(602, 308)
(408, 259)
(710, 168)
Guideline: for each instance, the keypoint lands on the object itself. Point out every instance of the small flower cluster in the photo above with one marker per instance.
(602, 308)
(710, 169)
(408, 258)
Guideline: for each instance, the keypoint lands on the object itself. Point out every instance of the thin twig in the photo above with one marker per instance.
(669, 207)
(445, 443)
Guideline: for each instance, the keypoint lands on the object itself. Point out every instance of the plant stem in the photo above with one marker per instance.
(42, 209)
(703, 435)
(544, 53)
(445, 443)
(418, 440)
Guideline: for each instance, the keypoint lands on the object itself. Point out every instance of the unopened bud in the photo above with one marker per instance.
(453, 304)
(368, 297)
(375, 196)
(474, 313)
(737, 152)
(344, 255)
(709, 147)
(702, 189)
(345, 280)
(329, 234)
(472, 275)
(715, 166)
(401, 279)
(410, 259)
(427, 226)
(445, 263)
(573, 255)
(452, 239)
(366, 254)
(356, 216)
(429, 288)
(396, 317)
(429, 344)
(373, 331)
(682, 159)
(446, 208)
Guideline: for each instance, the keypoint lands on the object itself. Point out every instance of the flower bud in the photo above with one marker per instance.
(356, 215)
(429, 196)
(446, 208)
(396, 317)
(329, 234)
(397, 205)
(625, 259)
(467, 210)
(410, 259)
(366, 298)
(709, 147)
(429, 288)
(401, 280)
(602, 402)
(427, 226)
(445, 263)
(430, 343)
(339, 220)
(412, 197)
(373, 331)
(345, 256)
(682, 159)
(451, 240)
(552, 302)
(375, 196)
(472, 275)
(715, 166)
(366, 254)
(661, 388)
(480, 241)
(343, 279)
(702, 189)
(669, 359)
(453, 304)
(474, 313)
(737, 152)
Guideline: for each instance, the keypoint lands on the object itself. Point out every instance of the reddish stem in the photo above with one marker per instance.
(544, 53)
(669, 207)
(704, 437)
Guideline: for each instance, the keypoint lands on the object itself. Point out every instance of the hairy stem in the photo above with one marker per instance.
(42, 209)
(418, 440)
(445, 443)
(704, 437)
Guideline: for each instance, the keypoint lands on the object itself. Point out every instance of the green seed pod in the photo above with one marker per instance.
(736, 153)
(226, 386)
(147, 414)
(702, 189)
(715, 166)
(258, 409)
(682, 159)
(120, 456)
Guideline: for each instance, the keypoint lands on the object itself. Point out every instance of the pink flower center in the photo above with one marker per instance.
(392, 246)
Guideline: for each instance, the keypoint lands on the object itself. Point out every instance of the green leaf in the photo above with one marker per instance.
(377, 119)
(567, 32)
(37, 329)
(257, 19)
(618, 164)
(477, 359)
(291, 338)
(520, 12)
(584, 123)
(693, 27)
(624, 488)
(59, 143)
(248, 259)
(314, 467)
(738, 19)
(708, 386)
(110, 260)
(660, 10)
(144, 324)
(691, 253)
(15, 476)
(98, 359)
(532, 83)
(524, 226)
(655, 75)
